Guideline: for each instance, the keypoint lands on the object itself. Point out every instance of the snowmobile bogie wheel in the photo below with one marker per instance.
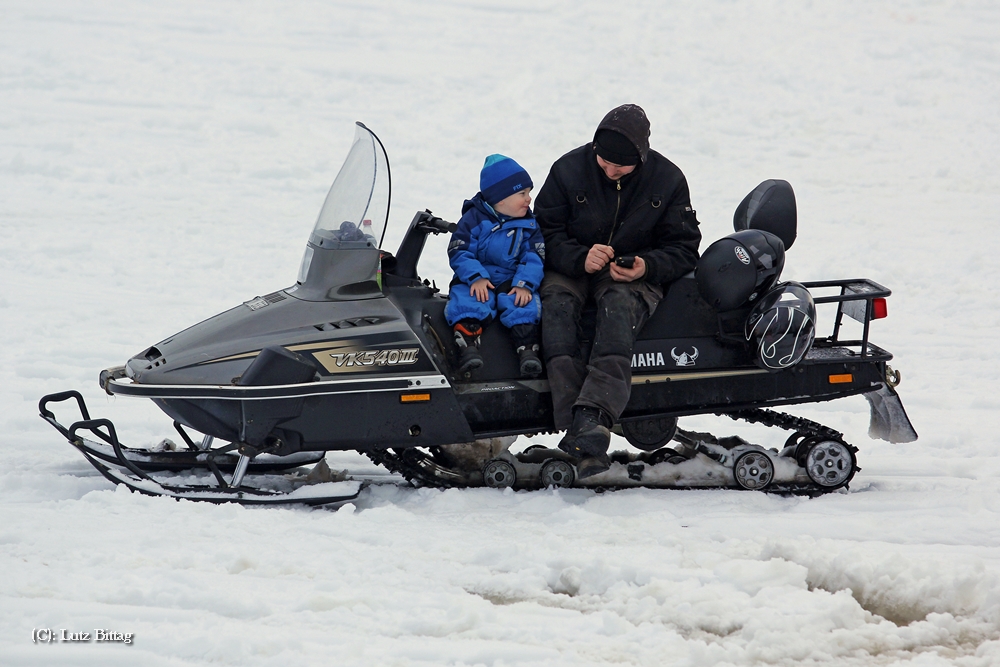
(830, 464)
(753, 470)
(499, 474)
(794, 439)
(556, 473)
(804, 447)
(649, 434)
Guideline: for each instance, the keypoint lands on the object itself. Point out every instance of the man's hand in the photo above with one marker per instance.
(481, 290)
(521, 296)
(598, 257)
(623, 275)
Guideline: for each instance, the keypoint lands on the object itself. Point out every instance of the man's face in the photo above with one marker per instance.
(612, 170)
(516, 205)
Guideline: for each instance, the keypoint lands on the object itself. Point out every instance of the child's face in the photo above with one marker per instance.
(514, 206)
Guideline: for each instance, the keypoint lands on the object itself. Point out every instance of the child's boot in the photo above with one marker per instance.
(526, 344)
(531, 365)
(467, 333)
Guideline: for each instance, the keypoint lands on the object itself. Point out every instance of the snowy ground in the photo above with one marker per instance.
(162, 162)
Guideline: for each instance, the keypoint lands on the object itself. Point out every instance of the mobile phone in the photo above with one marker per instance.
(625, 262)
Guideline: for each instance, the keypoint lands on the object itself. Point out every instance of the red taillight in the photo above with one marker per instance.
(879, 308)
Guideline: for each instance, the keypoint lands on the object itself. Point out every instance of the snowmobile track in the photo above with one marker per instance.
(421, 469)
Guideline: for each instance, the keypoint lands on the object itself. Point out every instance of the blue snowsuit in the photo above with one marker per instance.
(504, 250)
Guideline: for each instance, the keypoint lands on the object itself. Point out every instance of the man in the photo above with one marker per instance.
(618, 228)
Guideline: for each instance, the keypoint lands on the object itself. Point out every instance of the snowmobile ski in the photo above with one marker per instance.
(110, 459)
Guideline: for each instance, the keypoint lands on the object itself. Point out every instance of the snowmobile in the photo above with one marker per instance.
(356, 355)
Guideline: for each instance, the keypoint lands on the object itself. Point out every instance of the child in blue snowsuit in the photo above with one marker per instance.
(497, 254)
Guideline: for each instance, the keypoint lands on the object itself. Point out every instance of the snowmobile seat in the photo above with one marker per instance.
(682, 323)
(681, 313)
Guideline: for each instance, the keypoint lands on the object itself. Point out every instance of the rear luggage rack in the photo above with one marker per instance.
(857, 300)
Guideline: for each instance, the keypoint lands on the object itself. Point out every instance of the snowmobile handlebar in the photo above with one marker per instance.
(430, 223)
(423, 223)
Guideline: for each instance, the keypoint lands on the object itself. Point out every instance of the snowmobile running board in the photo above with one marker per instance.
(121, 465)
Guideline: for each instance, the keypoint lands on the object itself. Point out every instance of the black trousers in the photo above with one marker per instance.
(605, 379)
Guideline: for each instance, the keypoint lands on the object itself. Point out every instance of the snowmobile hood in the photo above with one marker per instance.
(219, 350)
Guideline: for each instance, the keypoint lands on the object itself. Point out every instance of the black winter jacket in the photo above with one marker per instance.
(647, 213)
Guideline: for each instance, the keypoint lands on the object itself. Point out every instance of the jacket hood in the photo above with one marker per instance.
(478, 202)
(629, 120)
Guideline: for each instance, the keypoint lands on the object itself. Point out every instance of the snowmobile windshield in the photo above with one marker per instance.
(341, 260)
(357, 206)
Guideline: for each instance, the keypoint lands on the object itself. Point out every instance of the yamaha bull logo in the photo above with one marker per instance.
(646, 359)
(684, 359)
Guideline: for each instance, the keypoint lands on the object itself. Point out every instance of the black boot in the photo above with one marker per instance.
(587, 440)
(531, 365)
(470, 360)
(467, 333)
(526, 344)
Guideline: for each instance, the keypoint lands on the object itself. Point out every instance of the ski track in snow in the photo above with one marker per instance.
(160, 163)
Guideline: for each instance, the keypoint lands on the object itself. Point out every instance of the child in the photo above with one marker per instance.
(497, 254)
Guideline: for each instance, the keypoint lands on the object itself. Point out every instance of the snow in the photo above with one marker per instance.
(162, 162)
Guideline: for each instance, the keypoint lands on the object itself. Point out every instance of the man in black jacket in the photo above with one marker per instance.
(618, 228)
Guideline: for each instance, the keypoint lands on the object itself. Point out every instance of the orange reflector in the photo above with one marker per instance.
(879, 309)
(414, 398)
(841, 379)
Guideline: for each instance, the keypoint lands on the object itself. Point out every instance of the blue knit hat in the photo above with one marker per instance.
(501, 177)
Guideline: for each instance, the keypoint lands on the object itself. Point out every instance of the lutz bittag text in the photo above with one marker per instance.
(50, 636)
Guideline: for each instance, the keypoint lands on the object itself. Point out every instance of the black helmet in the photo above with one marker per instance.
(769, 207)
(782, 326)
(738, 268)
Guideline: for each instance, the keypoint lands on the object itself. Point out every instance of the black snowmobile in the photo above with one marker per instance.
(356, 355)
